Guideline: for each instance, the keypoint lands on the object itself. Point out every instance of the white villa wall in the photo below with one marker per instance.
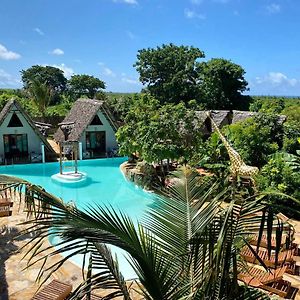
(110, 136)
(34, 142)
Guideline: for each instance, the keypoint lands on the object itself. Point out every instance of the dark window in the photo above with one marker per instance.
(15, 121)
(96, 121)
(96, 141)
(15, 145)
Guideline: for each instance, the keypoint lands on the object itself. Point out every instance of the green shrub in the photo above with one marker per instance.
(278, 175)
(256, 138)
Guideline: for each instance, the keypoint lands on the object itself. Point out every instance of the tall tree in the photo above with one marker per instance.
(85, 85)
(41, 94)
(159, 132)
(53, 77)
(170, 72)
(222, 84)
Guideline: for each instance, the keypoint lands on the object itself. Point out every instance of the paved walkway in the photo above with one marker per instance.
(54, 145)
(17, 282)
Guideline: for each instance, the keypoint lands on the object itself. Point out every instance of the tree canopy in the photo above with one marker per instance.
(173, 74)
(170, 72)
(52, 76)
(222, 83)
(85, 85)
(159, 132)
(41, 95)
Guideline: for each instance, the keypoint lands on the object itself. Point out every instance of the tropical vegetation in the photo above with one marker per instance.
(187, 246)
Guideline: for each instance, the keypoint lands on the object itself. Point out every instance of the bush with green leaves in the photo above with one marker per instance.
(159, 132)
(256, 138)
(278, 175)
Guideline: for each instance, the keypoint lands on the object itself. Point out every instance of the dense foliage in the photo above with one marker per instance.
(159, 132)
(187, 247)
(222, 84)
(170, 72)
(51, 76)
(41, 95)
(278, 175)
(173, 74)
(256, 138)
(84, 85)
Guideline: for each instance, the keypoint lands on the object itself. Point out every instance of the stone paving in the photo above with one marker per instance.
(17, 282)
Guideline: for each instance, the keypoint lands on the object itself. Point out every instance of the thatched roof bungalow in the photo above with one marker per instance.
(21, 140)
(226, 117)
(93, 126)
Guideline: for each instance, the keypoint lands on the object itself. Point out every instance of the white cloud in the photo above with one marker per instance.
(7, 79)
(108, 72)
(277, 79)
(273, 8)
(132, 2)
(191, 14)
(68, 72)
(126, 79)
(196, 2)
(130, 35)
(39, 31)
(8, 55)
(57, 51)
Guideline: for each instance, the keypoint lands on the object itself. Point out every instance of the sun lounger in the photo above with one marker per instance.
(264, 241)
(270, 281)
(95, 297)
(283, 257)
(55, 290)
(280, 288)
(5, 207)
(292, 268)
(259, 278)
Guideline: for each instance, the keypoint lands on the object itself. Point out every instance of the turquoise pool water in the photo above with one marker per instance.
(105, 185)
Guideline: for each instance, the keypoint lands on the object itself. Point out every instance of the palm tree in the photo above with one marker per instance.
(186, 247)
(41, 94)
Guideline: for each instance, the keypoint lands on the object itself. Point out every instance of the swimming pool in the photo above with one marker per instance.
(105, 185)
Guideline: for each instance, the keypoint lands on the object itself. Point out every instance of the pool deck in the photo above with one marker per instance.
(17, 283)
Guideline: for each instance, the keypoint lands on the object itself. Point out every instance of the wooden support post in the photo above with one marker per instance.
(60, 158)
(75, 149)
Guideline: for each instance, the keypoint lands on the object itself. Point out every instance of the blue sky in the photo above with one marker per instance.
(102, 37)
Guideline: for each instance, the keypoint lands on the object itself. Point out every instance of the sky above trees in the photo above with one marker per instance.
(102, 38)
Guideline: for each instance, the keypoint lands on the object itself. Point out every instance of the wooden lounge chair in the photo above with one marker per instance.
(5, 207)
(264, 241)
(56, 290)
(271, 282)
(292, 268)
(283, 257)
(258, 278)
(281, 288)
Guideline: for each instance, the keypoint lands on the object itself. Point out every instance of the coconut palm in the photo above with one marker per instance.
(41, 94)
(186, 247)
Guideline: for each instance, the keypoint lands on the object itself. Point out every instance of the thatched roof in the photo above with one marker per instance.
(14, 103)
(82, 114)
(226, 117)
(239, 115)
(221, 117)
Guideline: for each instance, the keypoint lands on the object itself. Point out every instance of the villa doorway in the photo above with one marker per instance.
(15, 146)
(96, 143)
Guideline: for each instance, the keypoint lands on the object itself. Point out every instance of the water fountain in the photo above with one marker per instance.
(68, 147)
